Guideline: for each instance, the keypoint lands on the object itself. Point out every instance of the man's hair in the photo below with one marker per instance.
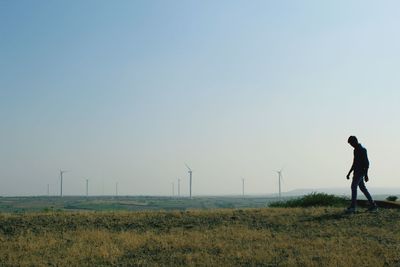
(352, 140)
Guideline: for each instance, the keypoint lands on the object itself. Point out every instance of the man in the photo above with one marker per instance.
(360, 168)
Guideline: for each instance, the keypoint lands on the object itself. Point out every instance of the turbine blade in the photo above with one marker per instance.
(188, 167)
(283, 167)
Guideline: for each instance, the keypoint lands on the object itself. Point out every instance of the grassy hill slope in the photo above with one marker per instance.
(229, 237)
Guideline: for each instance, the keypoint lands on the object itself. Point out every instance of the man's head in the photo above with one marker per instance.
(352, 141)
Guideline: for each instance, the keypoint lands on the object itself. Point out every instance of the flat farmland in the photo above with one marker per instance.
(127, 203)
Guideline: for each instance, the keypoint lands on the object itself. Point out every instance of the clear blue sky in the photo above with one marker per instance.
(128, 91)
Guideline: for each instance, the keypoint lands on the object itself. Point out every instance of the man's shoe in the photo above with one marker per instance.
(373, 208)
(350, 210)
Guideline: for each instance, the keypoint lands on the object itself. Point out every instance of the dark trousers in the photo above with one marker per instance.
(358, 181)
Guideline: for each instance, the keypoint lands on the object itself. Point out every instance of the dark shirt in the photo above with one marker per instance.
(360, 162)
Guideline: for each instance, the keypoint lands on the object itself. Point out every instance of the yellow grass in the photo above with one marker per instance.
(253, 237)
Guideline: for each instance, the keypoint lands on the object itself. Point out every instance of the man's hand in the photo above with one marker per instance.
(366, 178)
(348, 176)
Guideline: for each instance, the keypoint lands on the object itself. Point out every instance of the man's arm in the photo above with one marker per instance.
(352, 165)
(366, 164)
(351, 169)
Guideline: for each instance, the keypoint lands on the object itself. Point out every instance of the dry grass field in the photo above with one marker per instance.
(227, 237)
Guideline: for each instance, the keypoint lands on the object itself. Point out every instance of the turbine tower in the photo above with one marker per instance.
(179, 187)
(87, 187)
(243, 187)
(190, 182)
(61, 177)
(116, 189)
(48, 190)
(279, 181)
(173, 189)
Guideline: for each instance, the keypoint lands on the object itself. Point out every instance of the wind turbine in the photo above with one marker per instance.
(61, 177)
(243, 187)
(173, 189)
(87, 187)
(190, 175)
(279, 180)
(179, 187)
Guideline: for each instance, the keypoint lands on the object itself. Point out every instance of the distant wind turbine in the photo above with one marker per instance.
(61, 177)
(87, 187)
(190, 176)
(179, 187)
(243, 187)
(280, 177)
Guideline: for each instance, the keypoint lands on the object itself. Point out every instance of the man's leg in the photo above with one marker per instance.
(364, 189)
(354, 184)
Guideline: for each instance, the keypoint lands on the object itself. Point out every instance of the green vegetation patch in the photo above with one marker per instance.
(391, 198)
(313, 200)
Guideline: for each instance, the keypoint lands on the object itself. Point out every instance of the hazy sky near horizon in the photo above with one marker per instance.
(127, 91)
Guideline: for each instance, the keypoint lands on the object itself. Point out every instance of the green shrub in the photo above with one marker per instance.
(312, 200)
(47, 209)
(391, 198)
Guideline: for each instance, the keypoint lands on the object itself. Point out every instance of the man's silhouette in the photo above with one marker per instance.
(360, 168)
